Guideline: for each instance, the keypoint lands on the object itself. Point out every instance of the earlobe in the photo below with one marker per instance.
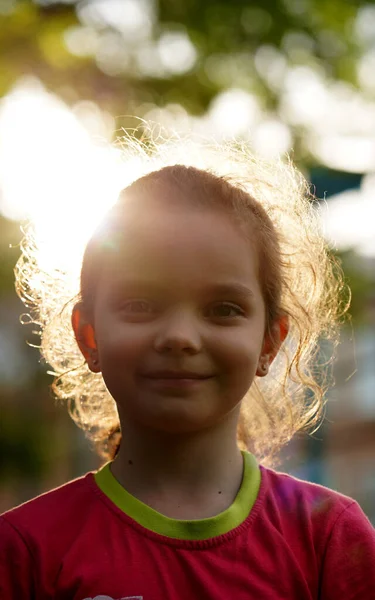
(263, 367)
(85, 338)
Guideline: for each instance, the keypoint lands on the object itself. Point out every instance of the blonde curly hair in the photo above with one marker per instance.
(299, 276)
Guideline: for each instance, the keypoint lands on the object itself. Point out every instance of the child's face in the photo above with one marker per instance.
(179, 318)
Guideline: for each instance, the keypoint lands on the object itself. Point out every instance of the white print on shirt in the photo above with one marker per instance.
(109, 598)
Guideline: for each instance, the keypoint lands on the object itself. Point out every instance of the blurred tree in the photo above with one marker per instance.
(360, 276)
(126, 55)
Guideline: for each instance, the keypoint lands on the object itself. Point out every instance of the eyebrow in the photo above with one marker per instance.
(232, 288)
(121, 285)
(220, 289)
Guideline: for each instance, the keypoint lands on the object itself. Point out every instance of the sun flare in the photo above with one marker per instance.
(53, 175)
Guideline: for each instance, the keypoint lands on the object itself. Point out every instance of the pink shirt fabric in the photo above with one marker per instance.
(300, 541)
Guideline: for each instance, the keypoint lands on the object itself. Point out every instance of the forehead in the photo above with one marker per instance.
(161, 241)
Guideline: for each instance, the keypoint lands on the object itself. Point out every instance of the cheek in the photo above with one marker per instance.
(121, 342)
(236, 358)
(237, 353)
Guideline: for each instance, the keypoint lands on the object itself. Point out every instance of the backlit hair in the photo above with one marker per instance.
(299, 277)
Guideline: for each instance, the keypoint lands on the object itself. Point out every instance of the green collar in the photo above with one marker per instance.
(200, 529)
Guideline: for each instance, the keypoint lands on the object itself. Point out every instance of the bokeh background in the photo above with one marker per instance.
(290, 76)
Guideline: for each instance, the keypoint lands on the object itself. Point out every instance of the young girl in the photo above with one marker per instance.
(203, 295)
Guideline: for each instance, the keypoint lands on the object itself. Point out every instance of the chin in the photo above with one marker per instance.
(178, 423)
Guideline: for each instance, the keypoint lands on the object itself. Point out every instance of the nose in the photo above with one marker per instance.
(178, 333)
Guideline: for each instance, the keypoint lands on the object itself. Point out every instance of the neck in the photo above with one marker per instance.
(184, 469)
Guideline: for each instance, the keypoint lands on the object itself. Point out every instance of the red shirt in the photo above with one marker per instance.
(299, 541)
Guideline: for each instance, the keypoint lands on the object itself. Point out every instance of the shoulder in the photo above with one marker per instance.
(328, 518)
(304, 510)
(52, 511)
(295, 496)
(37, 534)
(327, 532)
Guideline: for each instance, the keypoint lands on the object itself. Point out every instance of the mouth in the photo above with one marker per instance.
(175, 380)
(176, 375)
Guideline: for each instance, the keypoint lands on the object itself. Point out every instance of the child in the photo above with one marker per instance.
(202, 299)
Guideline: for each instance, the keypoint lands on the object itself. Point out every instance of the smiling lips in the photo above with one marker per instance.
(175, 379)
(176, 375)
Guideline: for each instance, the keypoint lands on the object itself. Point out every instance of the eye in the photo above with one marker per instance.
(225, 310)
(137, 307)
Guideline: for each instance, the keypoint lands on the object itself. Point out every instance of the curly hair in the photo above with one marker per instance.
(299, 277)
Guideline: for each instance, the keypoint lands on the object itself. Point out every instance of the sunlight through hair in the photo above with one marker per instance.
(291, 397)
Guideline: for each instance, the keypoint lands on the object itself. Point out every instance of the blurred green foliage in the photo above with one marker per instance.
(226, 36)
(22, 443)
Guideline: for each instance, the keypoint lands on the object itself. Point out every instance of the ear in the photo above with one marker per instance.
(271, 344)
(85, 337)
